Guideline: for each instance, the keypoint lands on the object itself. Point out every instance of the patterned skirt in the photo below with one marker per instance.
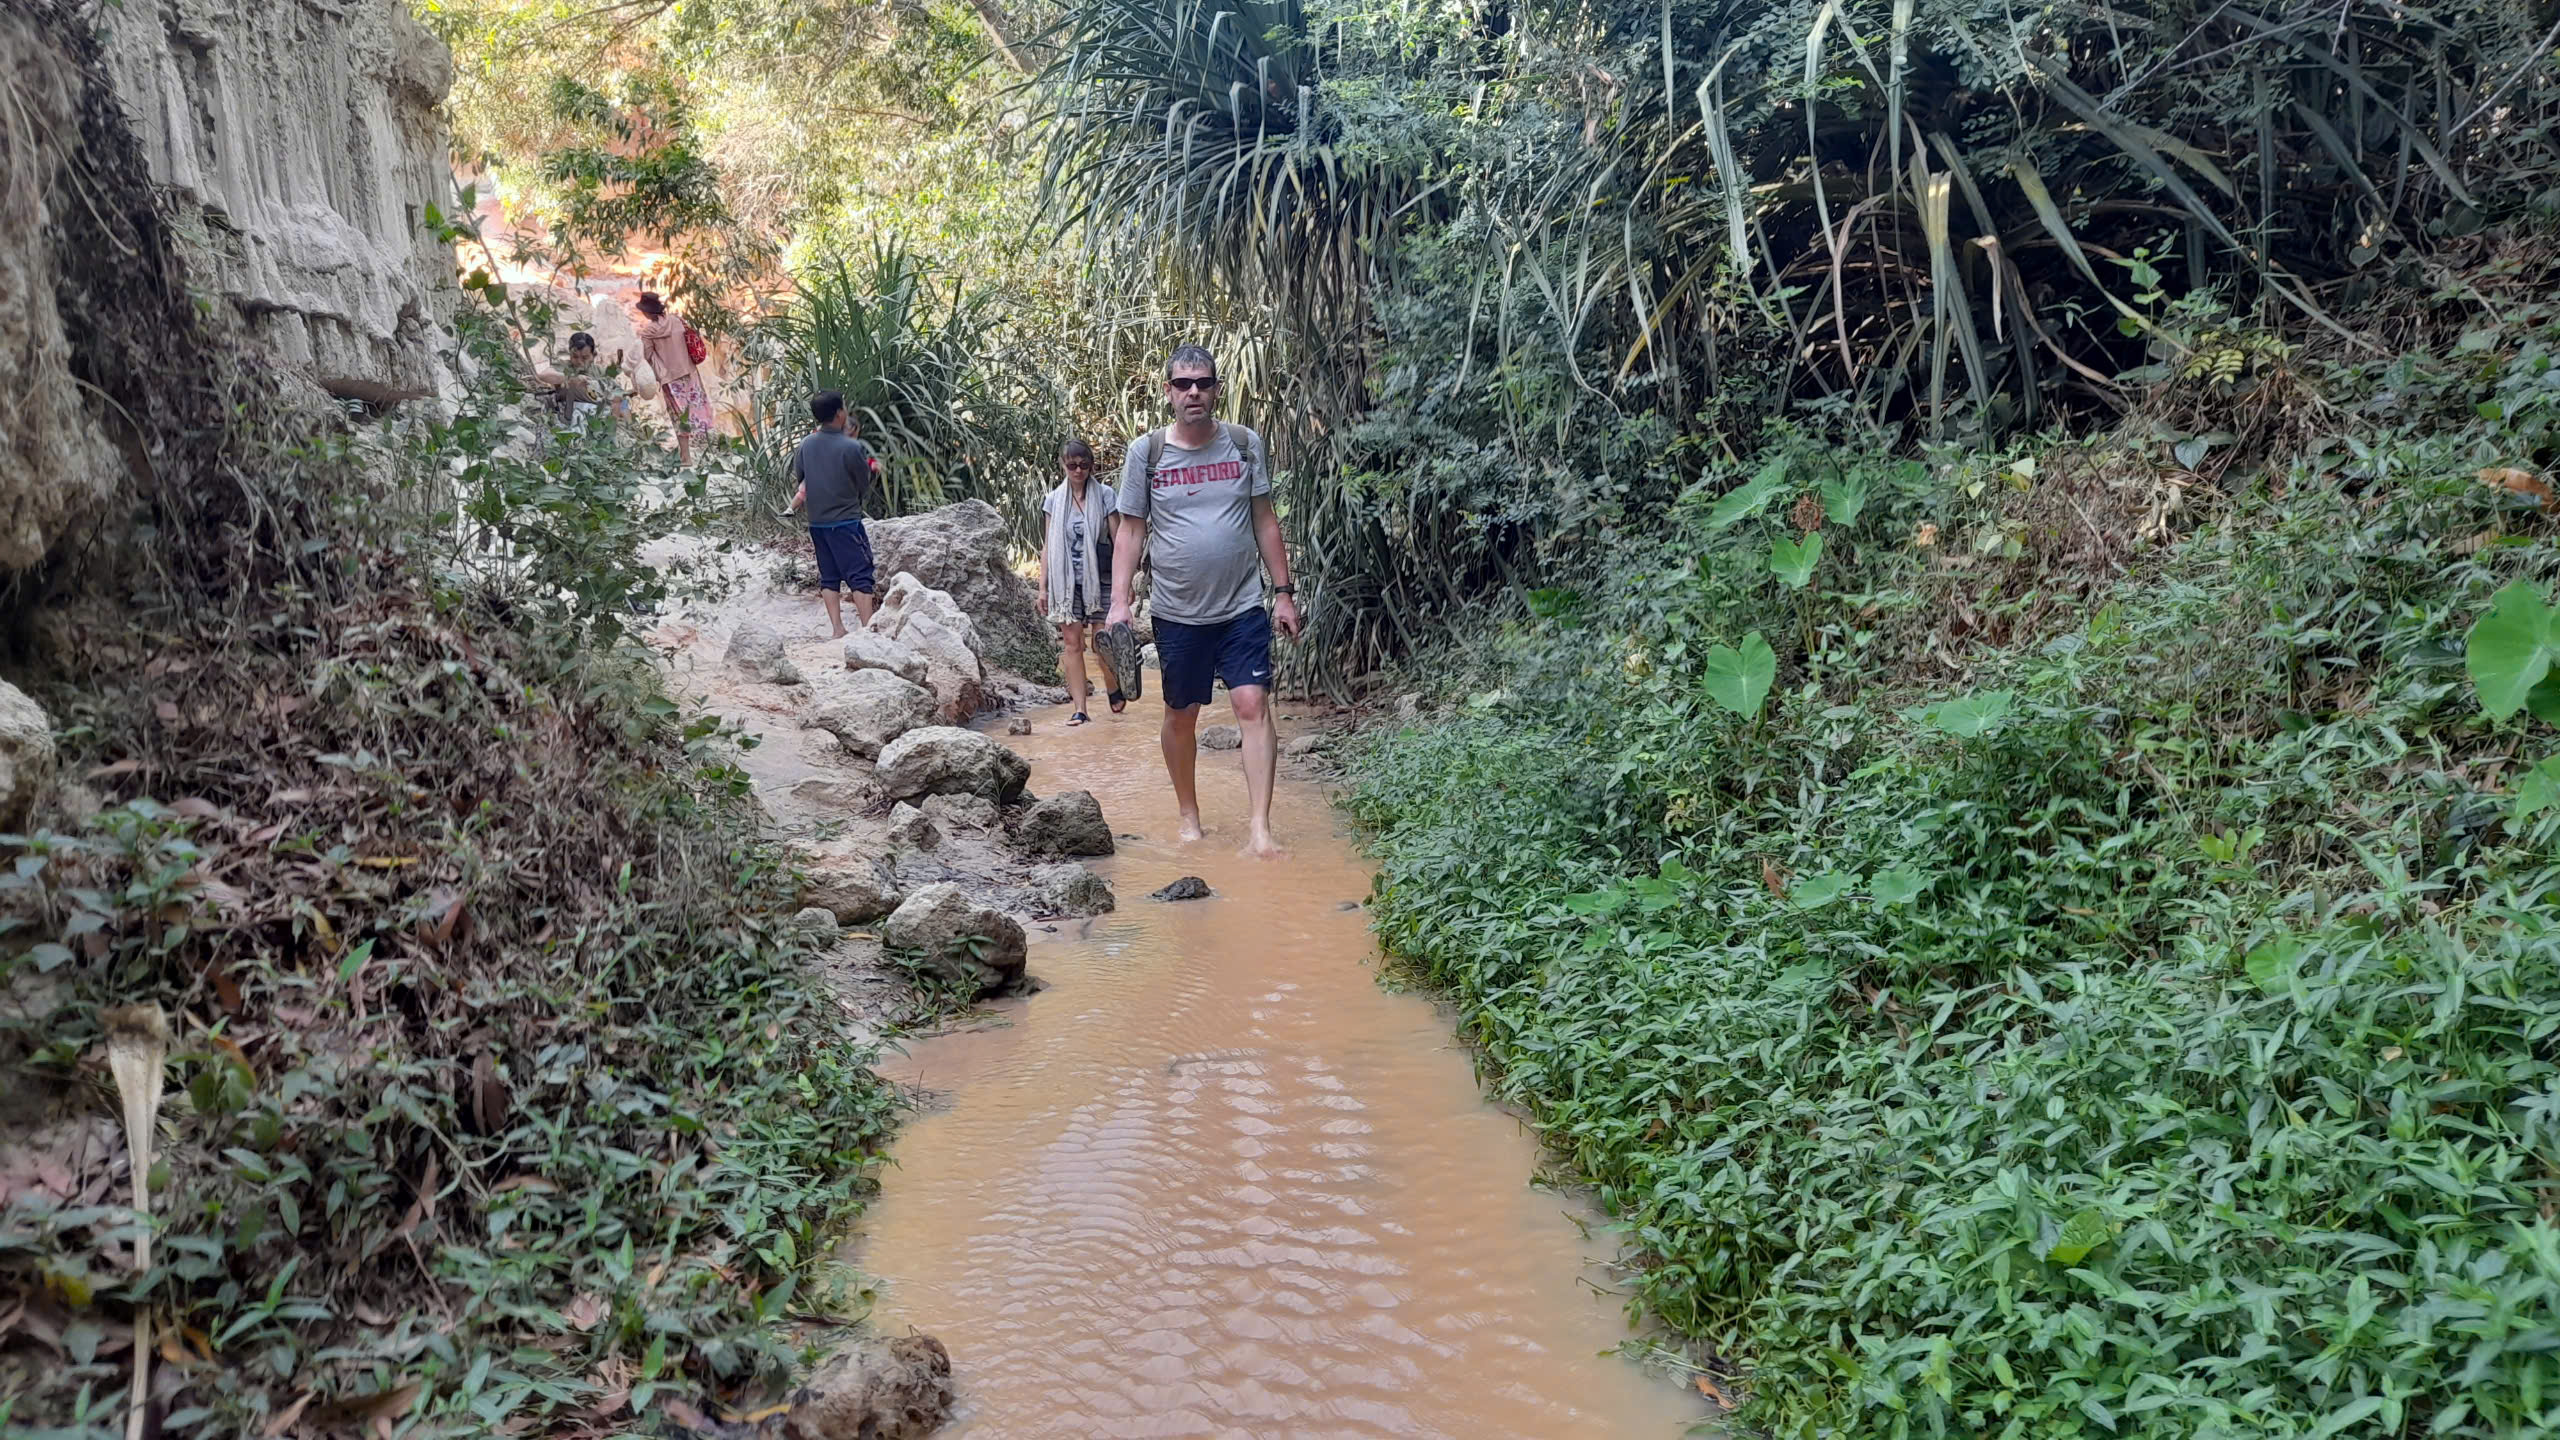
(687, 405)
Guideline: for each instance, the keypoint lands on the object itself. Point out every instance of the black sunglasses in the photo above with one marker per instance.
(1189, 383)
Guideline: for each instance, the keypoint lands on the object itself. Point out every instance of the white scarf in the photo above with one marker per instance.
(1097, 513)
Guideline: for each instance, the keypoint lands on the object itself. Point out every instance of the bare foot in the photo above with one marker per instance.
(840, 633)
(1191, 827)
(1263, 847)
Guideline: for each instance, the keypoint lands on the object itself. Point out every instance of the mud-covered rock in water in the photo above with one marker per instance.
(1221, 737)
(757, 652)
(868, 649)
(1189, 887)
(912, 829)
(874, 1389)
(867, 709)
(26, 755)
(1067, 888)
(947, 760)
(963, 551)
(1069, 824)
(854, 889)
(961, 812)
(971, 945)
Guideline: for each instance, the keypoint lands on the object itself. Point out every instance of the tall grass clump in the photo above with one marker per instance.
(2026, 948)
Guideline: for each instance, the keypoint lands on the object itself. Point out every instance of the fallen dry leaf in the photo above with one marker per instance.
(1774, 878)
(1708, 1388)
(196, 807)
(585, 1312)
(167, 711)
(385, 862)
(284, 1418)
(1926, 535)
(523, 1182)
(2521, 482)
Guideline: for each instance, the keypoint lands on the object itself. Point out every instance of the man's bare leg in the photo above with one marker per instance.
(1071, 661)
(835, 611)
(1182, 762)
(1261, 765)
(863, 601)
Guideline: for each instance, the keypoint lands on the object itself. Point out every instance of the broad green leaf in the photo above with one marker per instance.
(2544, 699)
(1792, 561)
(1749, 499)
(1739, 678)
(1844, 498)
(2510, 649)
(1823, 889)
(1970, 715)
(2539, 790)
(2270, 965)
(2086, 1232)
(1897, 887)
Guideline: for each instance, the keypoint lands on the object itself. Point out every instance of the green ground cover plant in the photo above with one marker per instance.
(2027, 945)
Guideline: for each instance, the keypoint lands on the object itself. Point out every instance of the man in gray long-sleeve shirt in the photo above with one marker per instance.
(1195, 500)
(836, 471)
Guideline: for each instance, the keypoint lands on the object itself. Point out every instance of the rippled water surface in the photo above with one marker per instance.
(1215, 1182)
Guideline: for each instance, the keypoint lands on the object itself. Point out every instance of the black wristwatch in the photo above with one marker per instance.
(1284, 589)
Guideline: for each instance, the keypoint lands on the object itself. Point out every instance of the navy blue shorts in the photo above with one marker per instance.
(1237, 651)
(844, 557)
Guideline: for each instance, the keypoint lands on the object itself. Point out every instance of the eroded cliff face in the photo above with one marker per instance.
(301, 142)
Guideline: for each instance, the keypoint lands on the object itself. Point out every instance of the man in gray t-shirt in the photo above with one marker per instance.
(836, 471)
(1195, 500)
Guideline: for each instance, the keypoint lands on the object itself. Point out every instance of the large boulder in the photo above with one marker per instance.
(973, 946)
(1069, 824)
(874, 1389)
(932, 625)
(1067, 888)
(964, 551)
(867, 709)
(868, 649)
(757, 652)
(853, 888)
(947, 760)
(26, 756)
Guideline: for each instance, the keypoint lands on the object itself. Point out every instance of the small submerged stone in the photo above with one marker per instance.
(1189, 887)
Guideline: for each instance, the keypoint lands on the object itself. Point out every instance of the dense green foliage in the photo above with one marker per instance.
(508, 1093)
(2013, 977)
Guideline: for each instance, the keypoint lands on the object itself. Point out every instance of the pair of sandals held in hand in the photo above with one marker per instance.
(1118, 645)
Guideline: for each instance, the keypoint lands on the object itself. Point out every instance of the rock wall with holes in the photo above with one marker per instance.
(299, 143)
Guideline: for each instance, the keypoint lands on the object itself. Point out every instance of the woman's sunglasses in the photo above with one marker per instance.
(1189, 383)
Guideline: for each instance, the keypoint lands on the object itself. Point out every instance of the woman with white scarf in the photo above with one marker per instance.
(1075, 572)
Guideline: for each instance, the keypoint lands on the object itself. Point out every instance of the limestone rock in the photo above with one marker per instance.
(909, 599)
(867, 649)
(816, 918)
(867, 709)
(854, 889)
(1221, 737)
(1302, 745)
(1067, 888)
(961, 812)
(963, 550)
(912, 829)
(1069, 824)
(757, 652)
(301, 145)
(932, 624)
(960, 940)
(1018, 725)
(1189, 887)
(874, 1389)
(946, 760)
(26, 756)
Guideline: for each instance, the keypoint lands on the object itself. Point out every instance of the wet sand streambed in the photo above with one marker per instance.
(1215, 1181)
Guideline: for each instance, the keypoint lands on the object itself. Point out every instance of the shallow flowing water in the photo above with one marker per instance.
(1215, 1181)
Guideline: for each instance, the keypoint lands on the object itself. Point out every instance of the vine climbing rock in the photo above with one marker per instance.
(974, 946)
(947, 760)
(875, 1389)
(26, 755)
(757, 652)
(1069, 824)
(963, 551)
(867, 709)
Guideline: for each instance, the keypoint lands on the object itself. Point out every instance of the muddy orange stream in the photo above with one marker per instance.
(1215, 1181)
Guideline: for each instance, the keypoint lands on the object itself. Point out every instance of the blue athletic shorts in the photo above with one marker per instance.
(1237, 651)
(844, 557)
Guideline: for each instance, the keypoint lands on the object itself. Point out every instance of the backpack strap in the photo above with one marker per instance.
(1155, 457)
